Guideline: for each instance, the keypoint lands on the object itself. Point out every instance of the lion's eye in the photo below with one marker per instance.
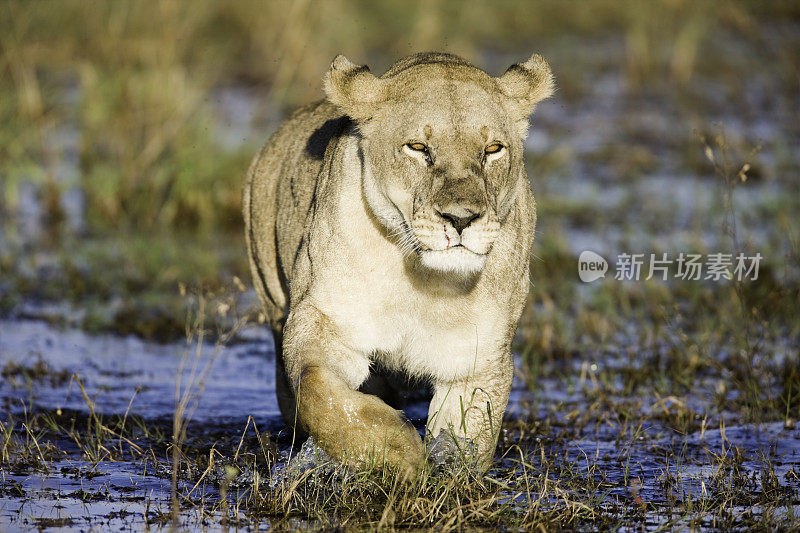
(493, 148)
(418, 147)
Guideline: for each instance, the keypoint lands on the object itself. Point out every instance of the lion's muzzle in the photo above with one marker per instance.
(458, 230)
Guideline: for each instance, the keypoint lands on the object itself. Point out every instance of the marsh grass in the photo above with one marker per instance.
(543, 477)
(117, 103)
(676, 333)
(537, 485)
(195, 370)
(126, 92)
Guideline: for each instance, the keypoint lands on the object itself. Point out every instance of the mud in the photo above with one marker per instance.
(556, 428)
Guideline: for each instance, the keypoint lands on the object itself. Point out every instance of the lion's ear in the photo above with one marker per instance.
(526, 84)
(353, 88)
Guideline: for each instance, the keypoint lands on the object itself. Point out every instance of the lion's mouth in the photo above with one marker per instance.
(443, 251)
(457, 248)
(458, 259)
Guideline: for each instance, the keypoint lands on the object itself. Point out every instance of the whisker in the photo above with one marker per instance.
(512, 257)
(407, 244)
(397, 232)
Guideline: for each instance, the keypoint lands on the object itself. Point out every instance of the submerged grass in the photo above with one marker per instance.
(544, 478)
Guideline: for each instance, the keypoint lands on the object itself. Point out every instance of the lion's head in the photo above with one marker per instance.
(441, 149)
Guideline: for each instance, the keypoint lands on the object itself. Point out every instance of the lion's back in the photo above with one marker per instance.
(278, 195)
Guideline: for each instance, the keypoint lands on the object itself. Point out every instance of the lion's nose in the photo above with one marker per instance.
(459, 217)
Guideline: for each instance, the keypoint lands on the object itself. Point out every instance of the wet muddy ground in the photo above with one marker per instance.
(121, 376)
(626, 457)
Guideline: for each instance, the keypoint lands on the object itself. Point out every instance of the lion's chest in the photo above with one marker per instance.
(384, 317)
(380, 311)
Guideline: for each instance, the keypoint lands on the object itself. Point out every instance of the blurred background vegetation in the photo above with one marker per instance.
(126, 129)
(132, 89)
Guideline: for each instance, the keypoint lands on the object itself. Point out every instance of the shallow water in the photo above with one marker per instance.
(128, 374)
(653, 463)
(121, 375)
(77, 494)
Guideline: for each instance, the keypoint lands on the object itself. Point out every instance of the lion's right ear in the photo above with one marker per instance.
(353, 88)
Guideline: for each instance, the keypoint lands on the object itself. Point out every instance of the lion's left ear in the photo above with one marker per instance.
(526, 84)
(353, 88)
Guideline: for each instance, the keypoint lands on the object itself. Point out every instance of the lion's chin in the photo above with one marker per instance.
(457, 260)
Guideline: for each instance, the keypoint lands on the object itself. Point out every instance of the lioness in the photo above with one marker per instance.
(391, 226)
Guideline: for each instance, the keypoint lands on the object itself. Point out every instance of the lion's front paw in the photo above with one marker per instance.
(447, 452)
(362, 431)
(405, 451)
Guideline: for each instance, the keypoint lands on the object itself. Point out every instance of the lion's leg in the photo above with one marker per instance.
(285, 393)
(353, 427)
(473, 409)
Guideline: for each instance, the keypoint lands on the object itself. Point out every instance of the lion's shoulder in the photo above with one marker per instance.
(309, 131)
